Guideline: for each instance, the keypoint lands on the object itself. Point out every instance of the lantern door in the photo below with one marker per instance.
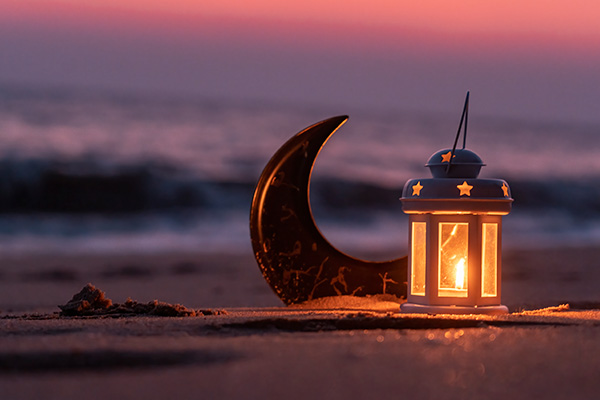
(453, 259)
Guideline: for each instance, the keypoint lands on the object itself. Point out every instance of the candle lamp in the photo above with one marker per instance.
(455, 235)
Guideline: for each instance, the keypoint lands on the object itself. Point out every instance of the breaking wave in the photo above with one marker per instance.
(93, 186)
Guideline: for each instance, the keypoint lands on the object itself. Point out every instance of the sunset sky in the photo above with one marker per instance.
(527, 59)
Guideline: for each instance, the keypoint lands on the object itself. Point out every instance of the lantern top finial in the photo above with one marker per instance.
(465, 164)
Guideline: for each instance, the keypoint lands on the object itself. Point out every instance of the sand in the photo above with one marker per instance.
(355, 348)
(532, 278)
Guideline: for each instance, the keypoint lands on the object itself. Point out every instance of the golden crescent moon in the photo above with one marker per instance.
(295, 258)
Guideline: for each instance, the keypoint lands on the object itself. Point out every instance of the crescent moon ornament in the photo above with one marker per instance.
(296, 260)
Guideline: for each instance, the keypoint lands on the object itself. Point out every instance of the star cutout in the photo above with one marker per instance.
(446, 157)
(417, 189)
(505, 189)
(465, 188)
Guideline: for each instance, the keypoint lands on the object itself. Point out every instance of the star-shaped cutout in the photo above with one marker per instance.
(417, 189)
(446, 157)
(505, 189)
(465, 188)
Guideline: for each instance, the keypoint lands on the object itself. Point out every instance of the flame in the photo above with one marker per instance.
(459, 280)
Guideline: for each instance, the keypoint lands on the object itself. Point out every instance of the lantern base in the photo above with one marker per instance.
(435, 309)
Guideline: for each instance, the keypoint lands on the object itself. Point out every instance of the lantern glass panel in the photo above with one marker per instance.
(418, 258)
(489, 260)
(453, 260)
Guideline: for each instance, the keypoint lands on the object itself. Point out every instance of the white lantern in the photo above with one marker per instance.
(455, 237)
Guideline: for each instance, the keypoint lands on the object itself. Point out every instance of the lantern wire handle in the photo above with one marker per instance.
(464, 117)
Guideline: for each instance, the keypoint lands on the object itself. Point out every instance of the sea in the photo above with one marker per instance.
(84, 171)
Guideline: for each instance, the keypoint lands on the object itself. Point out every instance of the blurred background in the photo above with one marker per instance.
(131, 126)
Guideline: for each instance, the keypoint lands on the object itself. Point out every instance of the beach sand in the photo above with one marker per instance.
(531, 278)
(261, 349)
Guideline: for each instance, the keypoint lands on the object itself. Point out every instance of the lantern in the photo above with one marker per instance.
(455, 236)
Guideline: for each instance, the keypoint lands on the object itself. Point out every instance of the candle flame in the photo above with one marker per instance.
(459, 280)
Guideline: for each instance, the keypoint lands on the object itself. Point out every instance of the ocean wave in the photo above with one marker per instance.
(94, 186)
(97, 186)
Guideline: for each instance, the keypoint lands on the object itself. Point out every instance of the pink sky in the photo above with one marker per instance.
(519, 58)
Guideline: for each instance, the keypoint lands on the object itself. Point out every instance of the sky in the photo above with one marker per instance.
(533, 59)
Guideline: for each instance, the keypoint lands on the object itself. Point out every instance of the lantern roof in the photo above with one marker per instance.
(457, 163)
(455, 187)
(464, 195)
